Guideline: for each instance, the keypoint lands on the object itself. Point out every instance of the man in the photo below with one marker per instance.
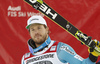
(43, 50)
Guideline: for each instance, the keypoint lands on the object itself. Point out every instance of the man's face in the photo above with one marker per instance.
(38, 33)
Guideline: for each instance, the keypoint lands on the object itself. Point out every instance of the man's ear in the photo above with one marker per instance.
(29, 31)
(47, 28)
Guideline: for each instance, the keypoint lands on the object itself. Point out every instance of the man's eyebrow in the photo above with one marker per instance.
(31, 28)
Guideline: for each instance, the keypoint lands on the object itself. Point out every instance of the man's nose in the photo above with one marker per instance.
(36, 31)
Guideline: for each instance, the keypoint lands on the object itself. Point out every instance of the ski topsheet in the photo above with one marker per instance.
(63, 23)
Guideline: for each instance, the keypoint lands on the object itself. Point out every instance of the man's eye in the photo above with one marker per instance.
(32, 29)
(39, 28)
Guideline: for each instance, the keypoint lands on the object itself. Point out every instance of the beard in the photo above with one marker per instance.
(39, 39)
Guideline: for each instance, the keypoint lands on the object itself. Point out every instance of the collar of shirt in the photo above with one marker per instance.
(33, 48)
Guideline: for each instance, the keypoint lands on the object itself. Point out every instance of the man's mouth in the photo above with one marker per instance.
(37, 36)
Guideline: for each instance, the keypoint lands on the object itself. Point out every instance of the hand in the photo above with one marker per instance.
(96, 51)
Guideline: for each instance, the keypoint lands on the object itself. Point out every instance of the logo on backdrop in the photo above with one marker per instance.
(16, 11)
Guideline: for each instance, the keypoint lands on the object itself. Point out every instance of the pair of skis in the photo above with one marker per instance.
(63, 23)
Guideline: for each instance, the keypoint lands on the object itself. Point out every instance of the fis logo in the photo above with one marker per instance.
(53, 48)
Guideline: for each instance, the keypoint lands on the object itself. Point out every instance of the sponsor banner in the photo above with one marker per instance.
(13, 11)
(84, 14)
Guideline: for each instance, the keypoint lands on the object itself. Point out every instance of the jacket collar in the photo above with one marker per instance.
(32, 47)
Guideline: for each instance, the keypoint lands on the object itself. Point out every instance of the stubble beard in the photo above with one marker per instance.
(41, 40)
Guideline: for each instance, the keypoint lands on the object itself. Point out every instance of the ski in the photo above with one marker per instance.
(42, 7)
